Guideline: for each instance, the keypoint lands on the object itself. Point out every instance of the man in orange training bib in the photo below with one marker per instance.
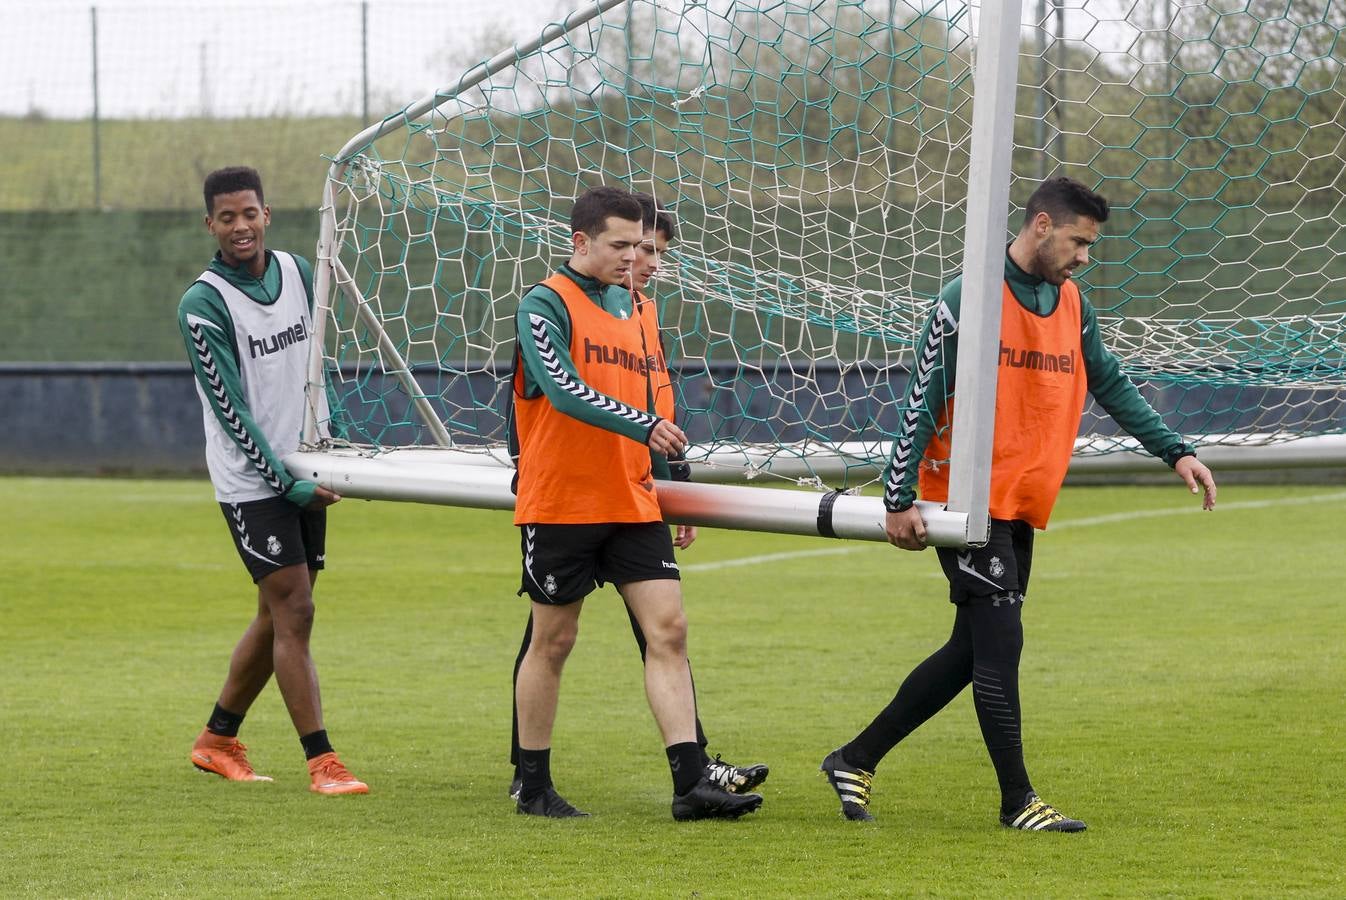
(585, 426)
(1051, 354)
(660, 231)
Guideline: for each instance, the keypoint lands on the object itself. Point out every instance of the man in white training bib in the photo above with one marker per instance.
(247, 321)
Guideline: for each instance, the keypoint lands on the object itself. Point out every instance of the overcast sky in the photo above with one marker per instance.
(172, 58)
(168, 58)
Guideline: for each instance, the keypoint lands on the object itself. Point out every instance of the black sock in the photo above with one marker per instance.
(223, 722)
(535, 769)
(315, 744)
(685, 762)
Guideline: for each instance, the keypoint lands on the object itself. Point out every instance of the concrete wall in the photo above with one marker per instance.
(97, 418)
(105, 286)
(145, 418)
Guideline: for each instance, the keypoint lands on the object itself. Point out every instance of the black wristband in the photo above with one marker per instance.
(1191, 453)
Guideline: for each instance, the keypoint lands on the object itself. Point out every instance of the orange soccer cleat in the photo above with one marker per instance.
(331, 777)
(223, 756)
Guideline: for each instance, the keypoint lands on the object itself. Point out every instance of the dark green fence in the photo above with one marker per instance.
(98, 287)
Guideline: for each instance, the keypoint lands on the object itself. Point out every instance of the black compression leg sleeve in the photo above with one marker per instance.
(927, 690)
(998, 637)
(514, 697)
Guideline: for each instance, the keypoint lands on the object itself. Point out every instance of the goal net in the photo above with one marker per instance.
(816, 158)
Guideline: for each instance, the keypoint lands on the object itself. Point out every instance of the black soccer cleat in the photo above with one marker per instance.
(707, 800)
(551, 805)
(1038, 816)
(734, 779)
(851, 784)
(516, 787)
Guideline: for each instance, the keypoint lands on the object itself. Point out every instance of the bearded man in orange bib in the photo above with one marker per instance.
(586, 431)
(1051, 355)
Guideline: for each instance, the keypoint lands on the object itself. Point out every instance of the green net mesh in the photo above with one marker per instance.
(815, 155)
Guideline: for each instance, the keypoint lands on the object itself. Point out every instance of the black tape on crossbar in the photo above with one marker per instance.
(825, 513)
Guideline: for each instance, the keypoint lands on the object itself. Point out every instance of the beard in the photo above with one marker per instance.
(1049, 270)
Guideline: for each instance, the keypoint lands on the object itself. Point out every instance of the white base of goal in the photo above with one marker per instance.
(1093, 456)
(482, 481)
(1241, 451)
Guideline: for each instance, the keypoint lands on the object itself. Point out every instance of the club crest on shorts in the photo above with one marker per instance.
(549, 584)
(273, 545)
(996, 567)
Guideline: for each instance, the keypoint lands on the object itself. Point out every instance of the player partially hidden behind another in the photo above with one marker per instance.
(659, 231)
(587, 509)
(247, 321)
(1050, 355)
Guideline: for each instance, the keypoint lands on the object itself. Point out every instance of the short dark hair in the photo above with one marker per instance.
(653, 215)
(1065, 200)
(596, 204)
(231, 180)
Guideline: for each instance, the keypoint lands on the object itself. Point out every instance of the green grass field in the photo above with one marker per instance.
(1182, 684)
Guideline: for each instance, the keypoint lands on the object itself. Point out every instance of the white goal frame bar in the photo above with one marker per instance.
(480, 479)
(995, 83)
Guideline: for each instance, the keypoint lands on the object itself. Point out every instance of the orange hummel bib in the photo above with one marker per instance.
(660, 381)
(1040, 393)
(571, 472)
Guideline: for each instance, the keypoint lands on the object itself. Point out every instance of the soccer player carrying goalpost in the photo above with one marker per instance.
(1050, 354)
(585, 423)
(246, 321)
(660, 231)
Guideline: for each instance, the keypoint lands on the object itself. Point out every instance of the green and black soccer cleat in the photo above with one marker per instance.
(550, 805)
(851, 784)
(735, 779)
(710, 801)
(1036, 815)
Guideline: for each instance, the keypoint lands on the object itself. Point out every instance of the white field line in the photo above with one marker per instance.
(1194, 508)
(769, 557)
(1110, 519)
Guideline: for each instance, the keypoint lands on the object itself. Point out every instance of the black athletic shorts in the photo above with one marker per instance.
(273, 533)
(997, 572)
(564, 563)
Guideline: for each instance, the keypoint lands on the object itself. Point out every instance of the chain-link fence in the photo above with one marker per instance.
(120, 105)
(112, 113)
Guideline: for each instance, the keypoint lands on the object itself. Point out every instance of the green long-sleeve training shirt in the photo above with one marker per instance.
(543, 325)
(218, 362)
(932, 383)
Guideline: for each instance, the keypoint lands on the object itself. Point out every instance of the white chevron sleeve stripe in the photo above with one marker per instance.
(577, 389)
(942, 324)
(235, 425)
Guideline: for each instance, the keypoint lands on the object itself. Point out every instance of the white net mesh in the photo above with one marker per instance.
(816, 156)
